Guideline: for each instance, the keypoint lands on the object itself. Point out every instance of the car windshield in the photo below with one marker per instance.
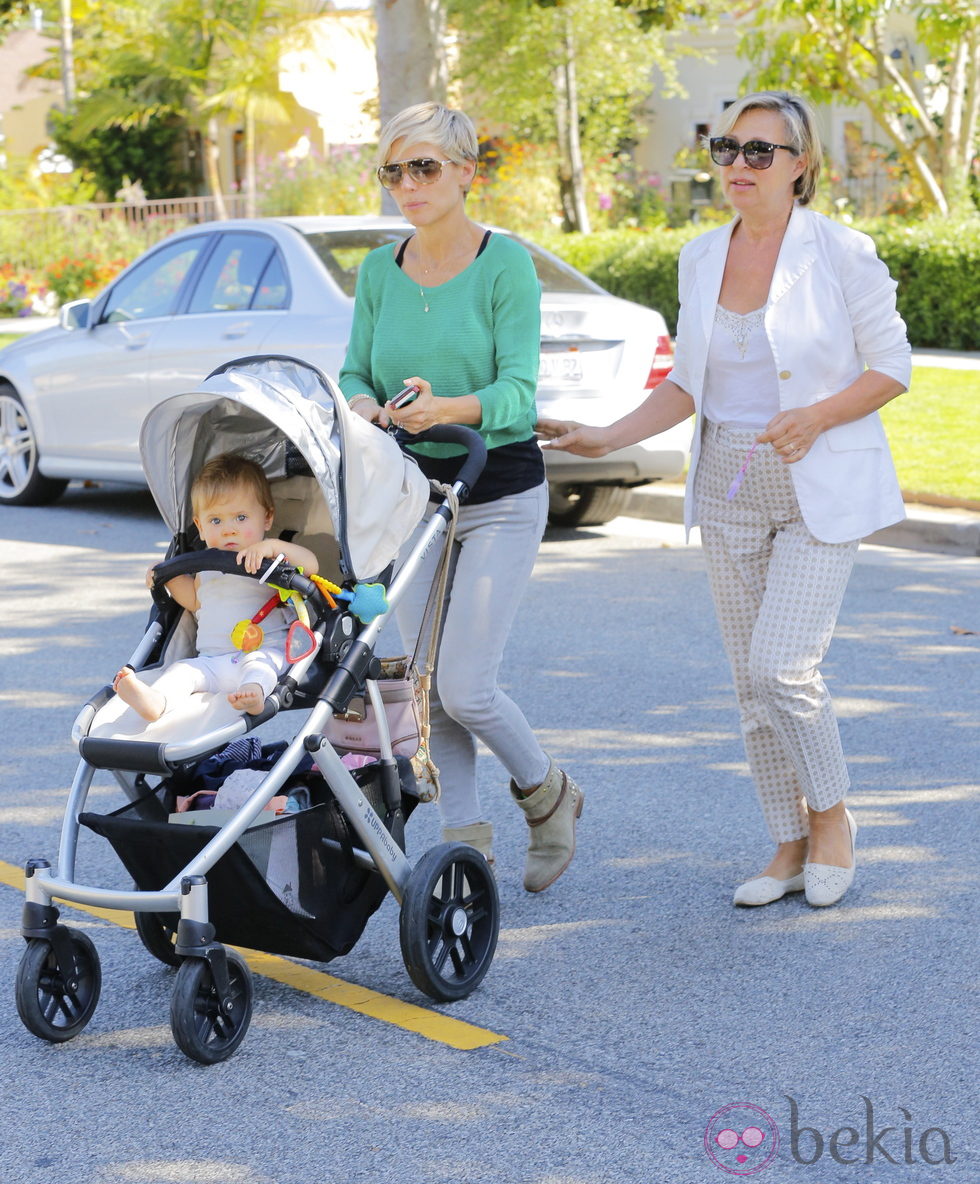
(341, 252)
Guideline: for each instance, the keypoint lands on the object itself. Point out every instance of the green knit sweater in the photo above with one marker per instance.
(481, 336)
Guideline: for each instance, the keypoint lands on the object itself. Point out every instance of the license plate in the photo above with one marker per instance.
(565, 367)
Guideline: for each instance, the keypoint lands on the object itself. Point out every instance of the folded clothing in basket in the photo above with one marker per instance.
(231, 776)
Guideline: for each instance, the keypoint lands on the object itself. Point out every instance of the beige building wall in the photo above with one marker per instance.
(24, 101)
(335, 79)
(712, 73)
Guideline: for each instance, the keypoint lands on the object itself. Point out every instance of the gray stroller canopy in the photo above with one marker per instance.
(270, 409)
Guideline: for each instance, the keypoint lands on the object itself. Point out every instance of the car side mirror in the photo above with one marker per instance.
(75, 314)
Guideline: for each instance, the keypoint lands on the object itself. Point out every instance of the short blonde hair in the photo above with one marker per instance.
(801, 131)
(226, 472)
(432, 123)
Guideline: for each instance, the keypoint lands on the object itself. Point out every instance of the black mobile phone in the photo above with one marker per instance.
(404, 397)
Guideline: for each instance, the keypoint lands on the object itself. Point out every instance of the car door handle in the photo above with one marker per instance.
(235, 331)
(134, 343)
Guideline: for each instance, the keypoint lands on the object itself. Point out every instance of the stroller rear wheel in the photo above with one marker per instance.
(56, 1002)
(449, 921)
(158, 933)
(204, 1029)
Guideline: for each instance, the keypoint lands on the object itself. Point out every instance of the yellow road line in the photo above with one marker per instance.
(430, 1024)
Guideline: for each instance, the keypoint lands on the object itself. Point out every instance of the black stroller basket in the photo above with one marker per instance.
(295, 885)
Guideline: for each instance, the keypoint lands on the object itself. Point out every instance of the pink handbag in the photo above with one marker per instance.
(406, 706)
(404, 686)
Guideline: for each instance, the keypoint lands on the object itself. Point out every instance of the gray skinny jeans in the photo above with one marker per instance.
(493, 557)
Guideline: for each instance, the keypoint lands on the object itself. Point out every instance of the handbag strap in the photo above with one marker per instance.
(434, 605)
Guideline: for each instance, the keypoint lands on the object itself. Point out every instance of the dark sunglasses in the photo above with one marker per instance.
(422, 169)
(758, 154)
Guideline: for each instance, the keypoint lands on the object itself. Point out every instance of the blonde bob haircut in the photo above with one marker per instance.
(431, 123)
(801, 132)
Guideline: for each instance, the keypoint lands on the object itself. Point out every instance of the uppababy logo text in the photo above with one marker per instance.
(866, 1143)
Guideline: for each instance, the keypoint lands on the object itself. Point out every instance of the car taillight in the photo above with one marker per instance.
(663, 361)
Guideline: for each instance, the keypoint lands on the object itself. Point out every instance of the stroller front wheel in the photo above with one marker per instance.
(205, 1028)
(54, 1001)
(449, 921)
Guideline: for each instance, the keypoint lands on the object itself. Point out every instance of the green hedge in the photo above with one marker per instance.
(937, 267)
(936, 264)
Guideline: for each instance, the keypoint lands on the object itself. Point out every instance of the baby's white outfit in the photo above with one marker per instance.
(224, 601)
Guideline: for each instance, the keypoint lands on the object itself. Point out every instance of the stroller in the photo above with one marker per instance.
(305, 882)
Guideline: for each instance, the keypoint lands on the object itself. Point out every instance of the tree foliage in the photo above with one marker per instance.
(553, 71)
(113, 156)
(244, 81)
(914, 64)
(12, 14)
(649, 14)
(509, 51)
(163, 63)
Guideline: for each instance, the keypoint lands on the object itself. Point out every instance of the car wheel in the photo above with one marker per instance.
(20, 482)
(586, 505)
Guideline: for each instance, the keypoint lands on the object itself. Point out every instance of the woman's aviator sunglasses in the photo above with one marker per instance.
(758, 154)
(422, 169)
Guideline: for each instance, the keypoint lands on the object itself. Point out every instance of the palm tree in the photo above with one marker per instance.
(245, 74)
(194, 60)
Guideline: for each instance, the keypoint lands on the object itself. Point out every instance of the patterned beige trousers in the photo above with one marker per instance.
(777, 592)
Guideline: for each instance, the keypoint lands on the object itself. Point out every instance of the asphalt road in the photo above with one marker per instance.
(635, 1001)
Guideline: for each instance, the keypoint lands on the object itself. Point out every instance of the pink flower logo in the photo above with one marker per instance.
(741, 1139)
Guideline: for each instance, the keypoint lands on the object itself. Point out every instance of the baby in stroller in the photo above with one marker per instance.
(302, 884)
(233, 509)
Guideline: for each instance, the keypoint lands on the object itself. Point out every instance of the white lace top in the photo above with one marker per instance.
(740, 384)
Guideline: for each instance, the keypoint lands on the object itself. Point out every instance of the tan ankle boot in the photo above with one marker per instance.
(551, 810)
(477, 834)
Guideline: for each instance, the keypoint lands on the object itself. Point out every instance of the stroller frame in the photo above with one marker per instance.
(449, 910)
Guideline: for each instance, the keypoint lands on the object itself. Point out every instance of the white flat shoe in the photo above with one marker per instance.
(766, 889)
(826, 884)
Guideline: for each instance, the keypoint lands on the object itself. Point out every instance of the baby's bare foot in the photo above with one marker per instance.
(135, 693)
(248, 698)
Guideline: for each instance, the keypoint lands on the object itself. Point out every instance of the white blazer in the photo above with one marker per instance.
(831, 314)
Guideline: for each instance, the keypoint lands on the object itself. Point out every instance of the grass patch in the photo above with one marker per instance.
(933, 429)
(934, 432)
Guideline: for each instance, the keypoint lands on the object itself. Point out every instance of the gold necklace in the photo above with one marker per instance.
(436, 267)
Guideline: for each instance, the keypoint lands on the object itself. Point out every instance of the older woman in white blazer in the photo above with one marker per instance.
(788, 343)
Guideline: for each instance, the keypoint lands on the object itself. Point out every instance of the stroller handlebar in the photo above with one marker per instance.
(455, 433)
(283, 574)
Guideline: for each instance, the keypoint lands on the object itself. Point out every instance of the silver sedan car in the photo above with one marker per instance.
(73, 397)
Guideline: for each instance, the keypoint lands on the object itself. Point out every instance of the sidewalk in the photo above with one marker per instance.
(927, 528)
(26, 324)
(949, 359)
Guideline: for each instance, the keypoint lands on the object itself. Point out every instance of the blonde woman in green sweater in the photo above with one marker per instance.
(454, 310)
